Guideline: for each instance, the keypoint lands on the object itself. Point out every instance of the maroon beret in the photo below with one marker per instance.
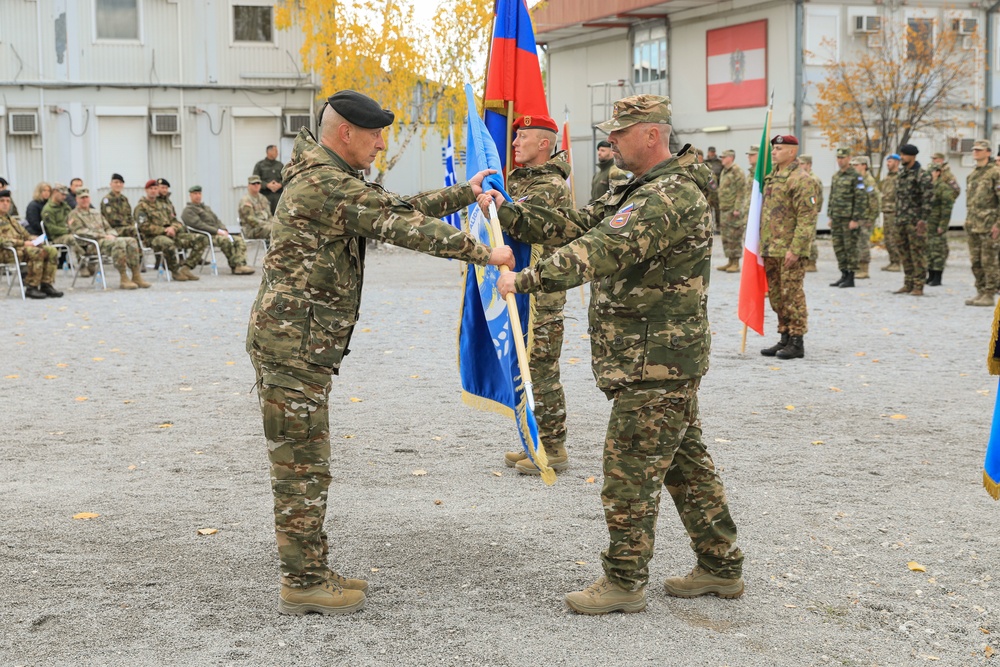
(788, 139)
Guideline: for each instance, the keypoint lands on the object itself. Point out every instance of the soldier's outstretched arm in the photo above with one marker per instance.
(445, 201)
(533, 223)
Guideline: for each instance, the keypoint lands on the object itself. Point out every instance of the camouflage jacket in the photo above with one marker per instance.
(982, 198)
(544, 185)
(164, 201)
(117, 210)
(888, 189)
(201, 217)
(310, 293)
(788, 212)
(54, 216)
(913, 194)
(12, 233)
(943, 198)
(819, 192)
(606, 176)
(748, 193)
(254, 211)
(154, 218)
(90, 224)
(732, 188)
(950, 179)
(848, 196)
(646, 246)
(874, 202)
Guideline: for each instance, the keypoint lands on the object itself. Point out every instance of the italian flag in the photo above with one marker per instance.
(753, 280)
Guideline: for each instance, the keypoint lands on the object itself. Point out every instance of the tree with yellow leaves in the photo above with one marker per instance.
(376, 47)
(914, 77)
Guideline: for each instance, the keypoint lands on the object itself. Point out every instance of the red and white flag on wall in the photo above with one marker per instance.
(737, 66)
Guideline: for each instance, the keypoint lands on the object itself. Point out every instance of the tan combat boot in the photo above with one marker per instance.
(604, 597)
(917, 291)
(558, 459)
(511, 459)
(734, 266)
(243, 270)
(187, 273)
(137, 278)
(324, 598)
(349, 584)
(892, 266)
(178, 276)
(725, 267)
(126, 283)
(811, 266)
(862, 272)
(701, 582)
(984, 299)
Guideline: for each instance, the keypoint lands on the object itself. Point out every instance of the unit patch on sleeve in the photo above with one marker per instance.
(622, 216)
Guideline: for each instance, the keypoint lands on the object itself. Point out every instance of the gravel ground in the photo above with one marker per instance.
(840, 468)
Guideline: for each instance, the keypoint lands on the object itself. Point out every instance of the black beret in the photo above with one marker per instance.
(163, 181)
(4, 182)
(5, 193)
(360, 109)
(908, 149)
(117, 177)
(603, 144)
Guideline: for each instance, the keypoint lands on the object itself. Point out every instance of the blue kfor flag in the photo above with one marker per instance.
(487, 360)
(455, 219)
(991, 466)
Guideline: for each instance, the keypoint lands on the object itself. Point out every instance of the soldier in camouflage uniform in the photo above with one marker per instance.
(308, 304)
(163, 197)
(713, 162)
(54, 215)
(542, 181)
(607, 174)
(939, 160)
(982, 200)
(913, 207)
(787, 229)
(197, 215)
(41, 259)
(888, 189)
(806, 164)
(733, 221)
(847, 208)
(117, 210)
(124, 251)
(942, 200)
(166, 234)
(646, 248)
(256, 221)
(861, 164)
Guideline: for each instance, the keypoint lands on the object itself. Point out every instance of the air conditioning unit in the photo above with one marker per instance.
(960, 145)
(295, 122)
(965, 26)
(165, 123)
(23, 123)
(867, 24)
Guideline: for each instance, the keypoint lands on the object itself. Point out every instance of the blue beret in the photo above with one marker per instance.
(894, 156)
(360, 109)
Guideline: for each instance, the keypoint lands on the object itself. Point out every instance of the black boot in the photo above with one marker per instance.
(33, 292)
(843, 277)
(794, 350)
(849, 280)
(771, 351)
(50, 291)
(935, 279)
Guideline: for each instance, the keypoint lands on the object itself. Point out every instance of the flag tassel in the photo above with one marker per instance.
(992, 488)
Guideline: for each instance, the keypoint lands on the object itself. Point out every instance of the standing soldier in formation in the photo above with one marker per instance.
(982, 193)
(939, 160)
(861, 164)
(847, 207)
(117, 210)
(268, 171)
(166, 234)
(256, 221)
(713, 162)
(40, 277)
(913, 207)
(888, 189)
(646, 249)
(607, 174)
(197, 215)
(542, 181)
(733, 190)
(942, 200)
(124, 251)
(787, 229)
(806, 164)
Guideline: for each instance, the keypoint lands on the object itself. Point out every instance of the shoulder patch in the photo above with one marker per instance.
(524, 198)
(621, 218)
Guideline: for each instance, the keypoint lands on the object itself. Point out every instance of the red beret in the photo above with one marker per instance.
(151, 182)
(785, 139)
(536, 122)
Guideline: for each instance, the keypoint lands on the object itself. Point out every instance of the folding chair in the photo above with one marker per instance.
(261, 244)
(63, 249)
(159, 262)
(11, 269)
(210, 251)
(91, 260)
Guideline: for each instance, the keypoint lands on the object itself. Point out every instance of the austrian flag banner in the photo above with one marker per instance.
(737, 66)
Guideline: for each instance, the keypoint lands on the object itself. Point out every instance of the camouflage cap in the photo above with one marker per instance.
(754, 150)
(937, 156)
(983, 144)
(729, 153)
(253, 179)
(638, 109)
(806, 158)
(843, 152)
(60, 188)
(861, 159)
(82, 192)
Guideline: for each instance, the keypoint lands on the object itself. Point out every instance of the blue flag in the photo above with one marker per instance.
(487, 360)
(455, 219)
(991, 467)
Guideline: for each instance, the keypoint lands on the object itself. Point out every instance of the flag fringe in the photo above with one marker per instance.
(486, 405)
(992, 488)
(992, 362)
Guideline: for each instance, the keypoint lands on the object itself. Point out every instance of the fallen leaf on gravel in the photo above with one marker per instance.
(355, 399)
(51, 377)
(497, 474)
(585, 336)
(11, 377)
(366, 330)
(722, 440)
(185, 388)
(581, 562)
(436, 437)
(590, 480)
(817, 442)
(988, 651)
(774, 368)
(791, 606)
(984, 631)
(835, 389)
(860, 354)
(98, 358)
(983, 392)
(789, 407)
(57, 432)
(165, 425)
(915, 566)
(897, 416)
(86, 515)
(115, 349)
(127, 401)
(374, 569)
(419, 473)
(132, 467)
(81, 398)
(415, 377)
(230, 363)
(386, 351)
(930, 657)
(963, 375)
(62, 365)
(875, 361)
(925, 356)
(438, 502)
(573, 360)
(348, 436)
(207, 531)
(198, 451)
(427, 312)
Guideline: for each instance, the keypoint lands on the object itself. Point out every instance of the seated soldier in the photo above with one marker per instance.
(198, 215)
(255, 212)
(41, 259)
(164, 233)
(54, 215)
(124, 252)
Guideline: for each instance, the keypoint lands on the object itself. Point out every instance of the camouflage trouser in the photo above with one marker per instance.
(985, 266)
(786, 292)
(813, 251)
(733, 230)
(256, 230)
(654, 440)
(123, 252)
(196, 243)
(889, 233)
(845, 244)
(294, 406)
(937, 248)
(41, 261)
(69, 240)
(127, 231)
(912, 248)
(550, 400)
(865, 242)
(234, 248)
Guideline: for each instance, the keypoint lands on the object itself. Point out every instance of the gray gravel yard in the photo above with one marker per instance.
(841, 469)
